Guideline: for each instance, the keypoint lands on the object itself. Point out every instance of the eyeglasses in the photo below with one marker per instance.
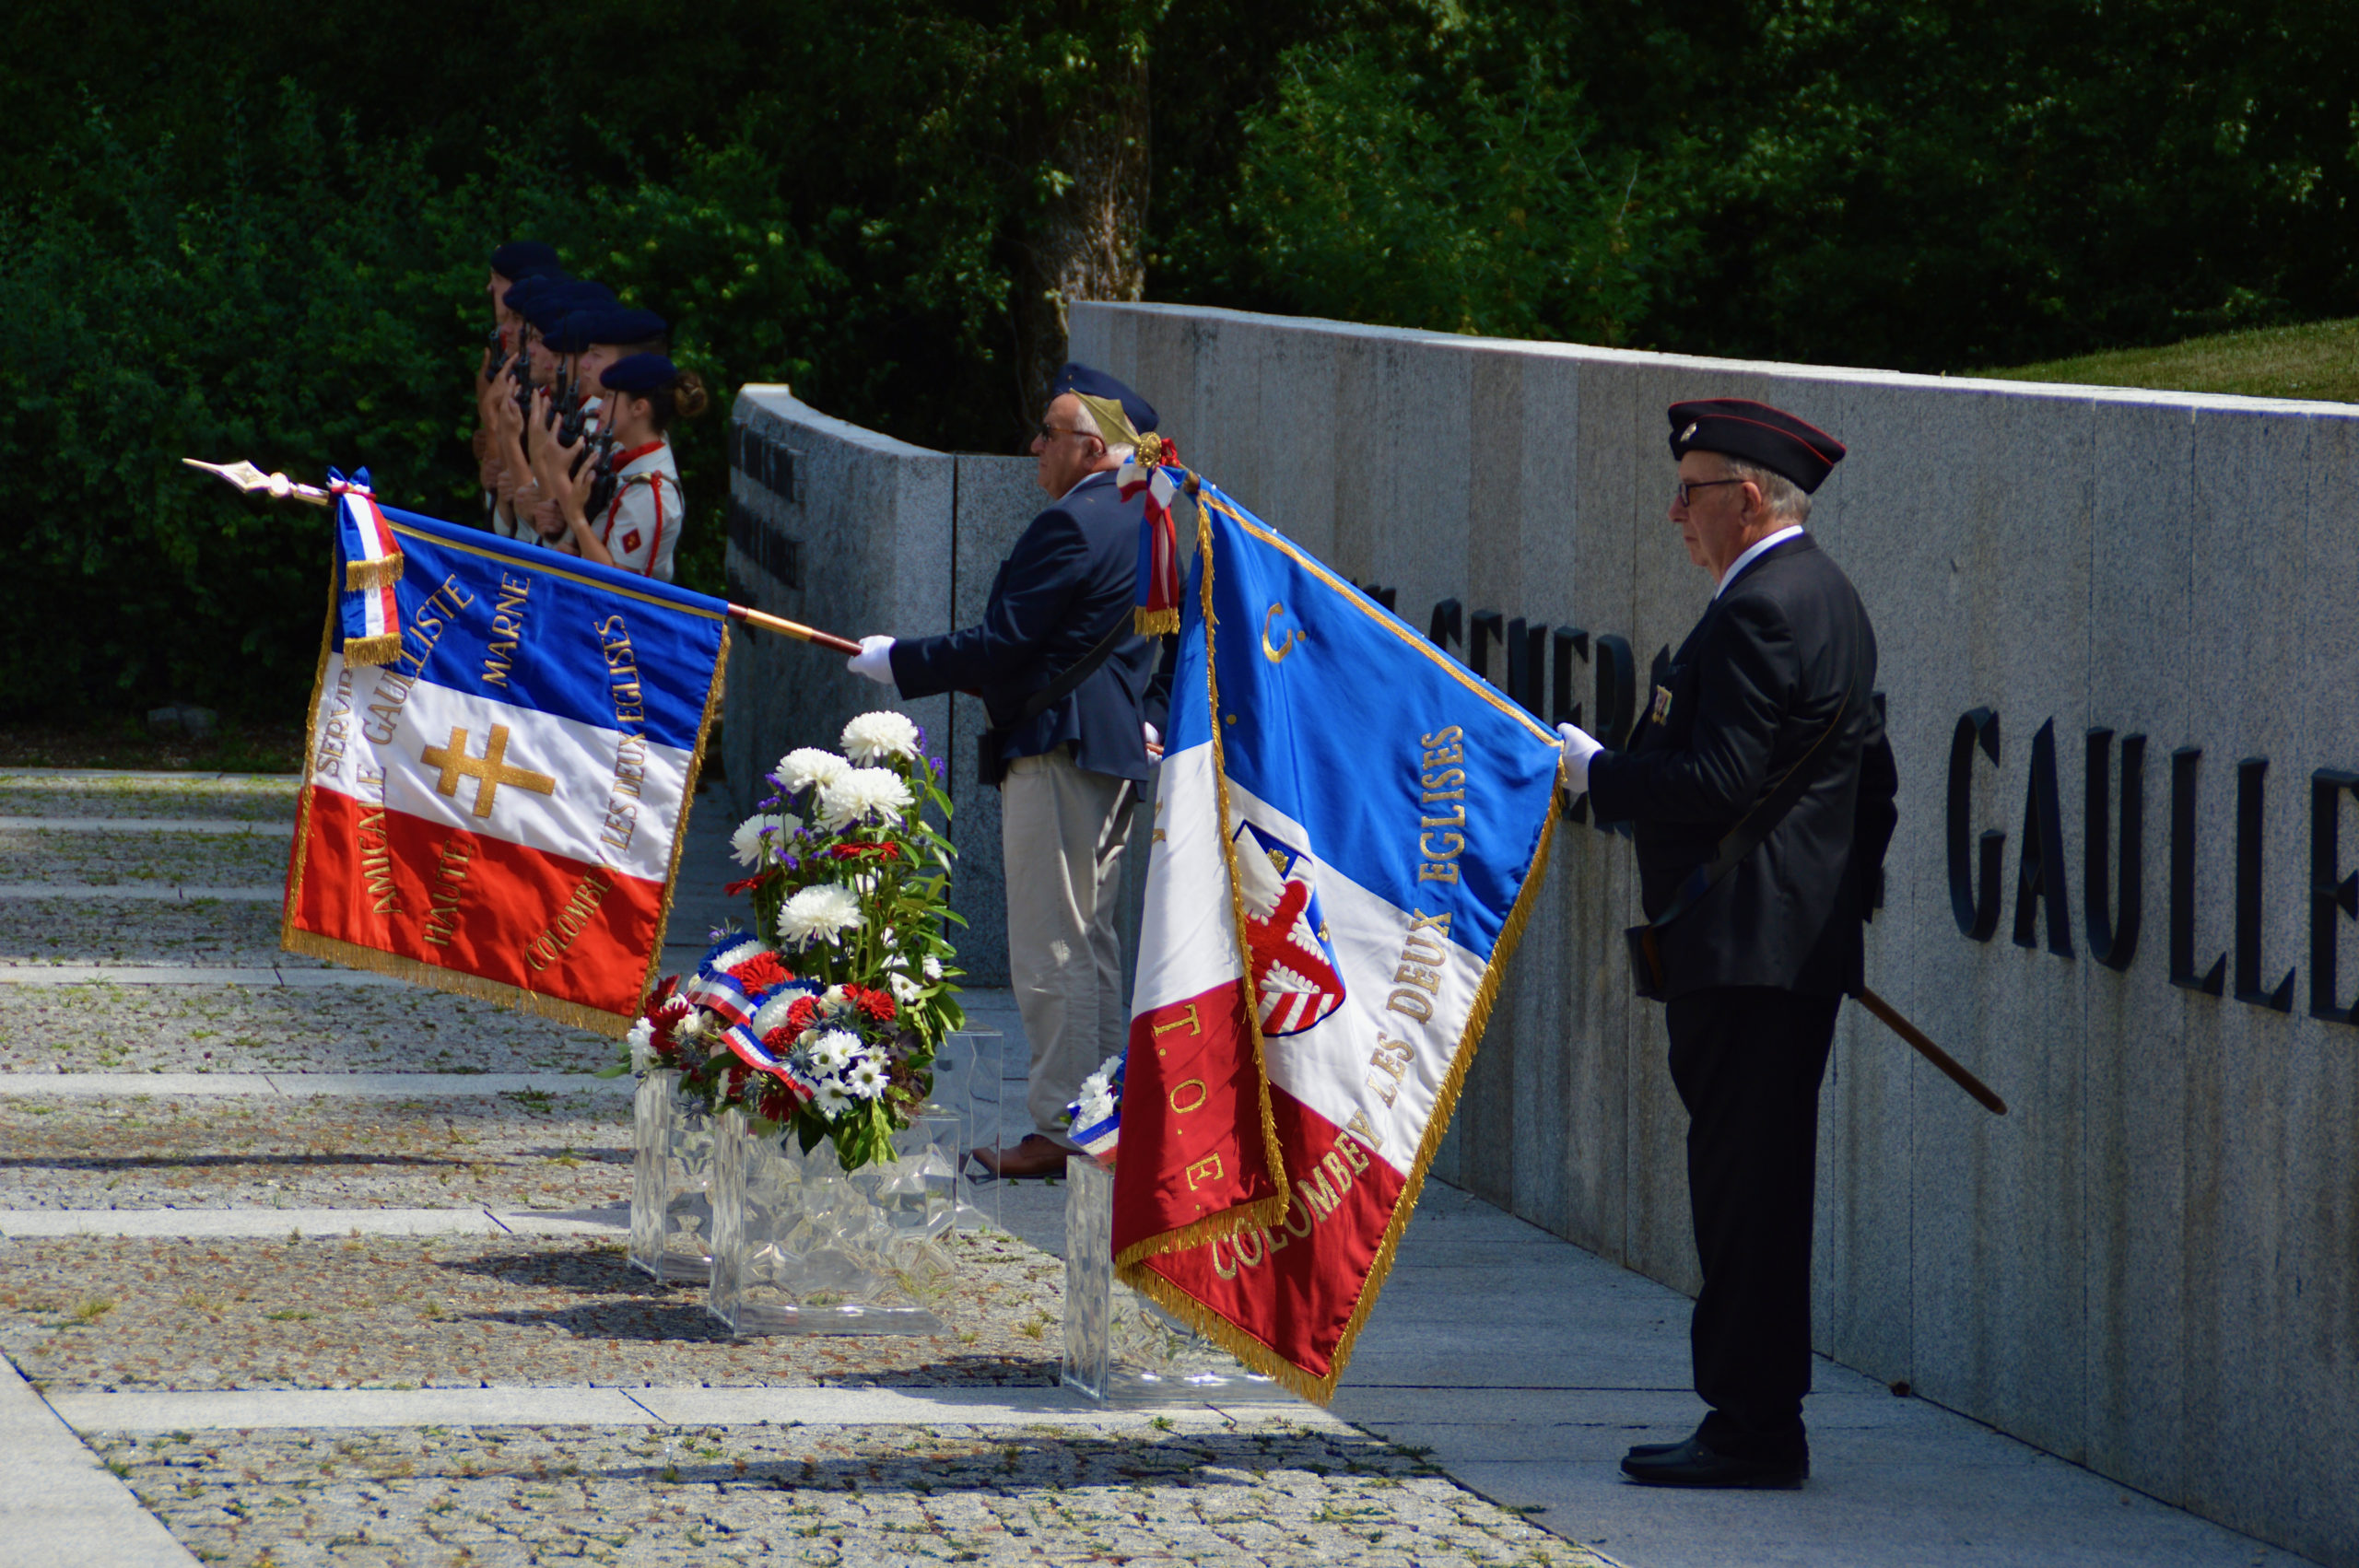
(1684, 490)
(1048, 432)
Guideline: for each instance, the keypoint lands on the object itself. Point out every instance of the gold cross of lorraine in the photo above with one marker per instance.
(489, 773)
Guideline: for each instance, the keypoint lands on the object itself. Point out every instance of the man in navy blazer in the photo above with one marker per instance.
(1777, 680)
(1073, 761)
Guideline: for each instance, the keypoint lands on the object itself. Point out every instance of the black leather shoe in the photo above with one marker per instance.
(1647, 1450)
(1693, 1464)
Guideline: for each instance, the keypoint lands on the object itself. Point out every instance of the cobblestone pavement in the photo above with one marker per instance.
(1256, 1493)
(101, 1027)
(250, 798)
(108, 1313)
(82, 929)
(99, 1314)
(517, 1149)
(254, 858)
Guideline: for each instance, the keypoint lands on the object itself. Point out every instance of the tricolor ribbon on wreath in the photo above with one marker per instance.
(369, 563)
(1350, 830)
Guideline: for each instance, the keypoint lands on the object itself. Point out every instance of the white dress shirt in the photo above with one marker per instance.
(1793, 530)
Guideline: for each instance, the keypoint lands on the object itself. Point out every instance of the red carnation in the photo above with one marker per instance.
(878, 1005)
(803, 1014)
(780, 1040)
(759, 973)
(778, 1104)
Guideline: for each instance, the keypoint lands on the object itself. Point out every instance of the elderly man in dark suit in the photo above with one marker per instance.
(1076, 702)
(1759, 787)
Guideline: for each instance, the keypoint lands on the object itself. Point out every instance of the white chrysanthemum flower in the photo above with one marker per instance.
(871, 737)
(932, 967)
(641, 1040)
(830, 1099)
(866, 1079)
(863, 794)
(697, 1023)
(1095, 1108)
(806, 766)
(752, 838)
(904, 988)
(834, 1003)
(834, 1049)
(819, 914)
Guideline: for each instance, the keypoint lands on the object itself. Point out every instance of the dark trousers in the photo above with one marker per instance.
(1747, 1060)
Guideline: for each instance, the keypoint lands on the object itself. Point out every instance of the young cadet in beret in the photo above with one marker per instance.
(1060, 606)
(511, 292)
(526, 512)
(640, 528)
(1777, 682)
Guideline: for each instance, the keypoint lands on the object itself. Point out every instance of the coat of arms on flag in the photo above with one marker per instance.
(1350, 830)
(504, 742)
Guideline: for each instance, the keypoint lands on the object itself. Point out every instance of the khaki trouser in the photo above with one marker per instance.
(1062, 834)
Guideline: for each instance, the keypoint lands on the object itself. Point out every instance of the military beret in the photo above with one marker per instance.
(548, 305)
(1100, 388)
(627, 324)
(523, 258)
(1756, 433)
(526, 289)
(639, 374)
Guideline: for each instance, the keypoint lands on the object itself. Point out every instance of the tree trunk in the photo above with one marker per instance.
(1089, 243)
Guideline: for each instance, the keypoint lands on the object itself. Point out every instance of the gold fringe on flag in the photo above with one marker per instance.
(1155, 623)
(687, 800)
(460, 983)
(382, 649)
(361, 575)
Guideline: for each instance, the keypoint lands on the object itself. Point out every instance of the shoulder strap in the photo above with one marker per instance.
(1064, 686)
(1749, 833)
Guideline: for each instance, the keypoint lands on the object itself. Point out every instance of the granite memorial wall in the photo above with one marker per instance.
(2120, 670)
(2119, 659)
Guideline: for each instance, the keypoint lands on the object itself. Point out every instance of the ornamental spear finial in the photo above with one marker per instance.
(252, 479)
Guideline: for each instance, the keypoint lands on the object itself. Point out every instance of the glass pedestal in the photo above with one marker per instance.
(671, 1186)
(970, 1083)
(802, 1246)
(1121, 1349)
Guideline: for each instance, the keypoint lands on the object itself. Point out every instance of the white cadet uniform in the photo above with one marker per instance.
(641, 527)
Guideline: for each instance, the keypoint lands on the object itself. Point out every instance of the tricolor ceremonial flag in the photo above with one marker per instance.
(1349, 829)
(498, 809)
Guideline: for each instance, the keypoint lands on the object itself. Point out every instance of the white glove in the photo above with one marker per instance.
(1153, 740)
(875, 660)
(1579, 747)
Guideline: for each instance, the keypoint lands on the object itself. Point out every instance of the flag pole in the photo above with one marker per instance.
(1925, 1047)
(252, 479)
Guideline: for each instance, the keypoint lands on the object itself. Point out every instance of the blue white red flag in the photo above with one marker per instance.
(496, 806)
(1350, 827)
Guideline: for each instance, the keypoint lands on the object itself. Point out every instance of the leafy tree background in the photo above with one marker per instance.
(240, 230)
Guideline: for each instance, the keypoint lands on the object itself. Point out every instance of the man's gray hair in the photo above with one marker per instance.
(1086, 423)
(1787, 501)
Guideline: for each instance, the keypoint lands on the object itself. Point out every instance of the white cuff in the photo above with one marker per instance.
(875, 660)
(1580, 745)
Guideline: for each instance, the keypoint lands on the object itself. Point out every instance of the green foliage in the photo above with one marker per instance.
(240, 230)
(1412, 192)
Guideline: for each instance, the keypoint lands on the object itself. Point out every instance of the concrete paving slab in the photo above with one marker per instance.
(230, 1224)
(145, 824)
(572, 1221)
(184, 975)
(60, 1507)
(899, 1406)
(139, 892)
(283, 1409)
(363, 1085)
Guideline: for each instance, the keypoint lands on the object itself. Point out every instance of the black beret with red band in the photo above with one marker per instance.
(1754, 432)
